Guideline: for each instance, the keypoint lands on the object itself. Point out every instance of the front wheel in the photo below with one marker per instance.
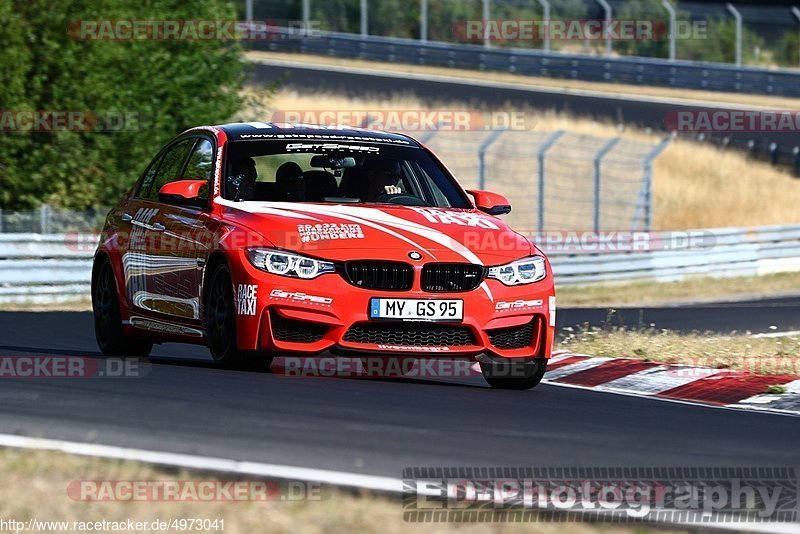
(107, 320)
(514, 374)
(220, 314)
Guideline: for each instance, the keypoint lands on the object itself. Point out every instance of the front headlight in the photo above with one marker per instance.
(524, 271)
(286, 264)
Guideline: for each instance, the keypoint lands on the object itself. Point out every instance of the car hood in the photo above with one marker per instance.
(346, 232)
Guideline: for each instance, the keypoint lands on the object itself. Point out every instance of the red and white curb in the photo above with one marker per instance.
(684, 383)
(702, 385)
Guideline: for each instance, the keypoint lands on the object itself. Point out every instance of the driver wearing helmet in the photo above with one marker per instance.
(383, 178)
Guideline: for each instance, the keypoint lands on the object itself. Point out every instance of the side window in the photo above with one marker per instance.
(147, 179)
(200, 162)
(169, 169)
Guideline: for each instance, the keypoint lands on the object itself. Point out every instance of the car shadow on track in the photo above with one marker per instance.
(255, 367)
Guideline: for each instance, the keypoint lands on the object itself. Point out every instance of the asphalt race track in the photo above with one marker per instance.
(365, 426)
(771, 315)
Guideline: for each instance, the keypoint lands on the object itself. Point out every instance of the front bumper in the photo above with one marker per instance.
(306, 317)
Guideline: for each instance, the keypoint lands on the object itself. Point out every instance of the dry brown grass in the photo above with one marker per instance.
(765, 356)
(35, 486)
(695, 185)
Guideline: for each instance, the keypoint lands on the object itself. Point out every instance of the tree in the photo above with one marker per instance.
(162, 87)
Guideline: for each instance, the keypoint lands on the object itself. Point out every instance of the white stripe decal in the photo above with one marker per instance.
(375, 215)
(371, 224)
(488, 291)
(262, 207)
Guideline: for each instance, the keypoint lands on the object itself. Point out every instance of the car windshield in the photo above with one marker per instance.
(338, 172)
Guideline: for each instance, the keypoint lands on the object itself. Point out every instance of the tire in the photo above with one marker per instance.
(514, 374)
(220, 318)
(108, 321)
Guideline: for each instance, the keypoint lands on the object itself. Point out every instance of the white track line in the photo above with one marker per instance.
(208, 463)
(790, 333)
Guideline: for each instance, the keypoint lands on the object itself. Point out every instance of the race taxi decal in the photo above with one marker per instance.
(292, 296)
(329, 231)
(519, 305)
(246, 296)
(472, 220)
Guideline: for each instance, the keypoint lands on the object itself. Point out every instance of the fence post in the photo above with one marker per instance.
(423, 21)
(491, 138)
(607, 21)
(645, 201)
(738, 18)
(248, 9)
(1, 220)
(486, 14)
(364, 18)
(796, 13)
(306, 14)
(546, 17)
(598, 158)
(549, 142)
(672, 23)
(44, 218)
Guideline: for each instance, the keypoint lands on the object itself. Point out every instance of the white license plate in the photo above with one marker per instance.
(416, 309)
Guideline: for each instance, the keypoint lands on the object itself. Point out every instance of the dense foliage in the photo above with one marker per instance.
(142, 92)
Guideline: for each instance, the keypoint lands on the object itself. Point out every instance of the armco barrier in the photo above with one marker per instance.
(719, 252)
(627, 70)
(41, 269)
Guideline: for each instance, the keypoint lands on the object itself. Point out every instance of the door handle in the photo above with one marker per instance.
(158, 227)
(126, 217)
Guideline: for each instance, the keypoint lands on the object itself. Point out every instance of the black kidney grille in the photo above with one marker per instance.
(410, 334)
(443, 277)
(293, 331)
(513, 337)
(385, 275)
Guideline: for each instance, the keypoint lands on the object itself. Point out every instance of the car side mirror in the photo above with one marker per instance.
(491, 203)
(182, 192)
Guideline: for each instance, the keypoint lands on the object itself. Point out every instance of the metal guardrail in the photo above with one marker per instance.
(43, 269)
(627, 70)
(672, 256)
